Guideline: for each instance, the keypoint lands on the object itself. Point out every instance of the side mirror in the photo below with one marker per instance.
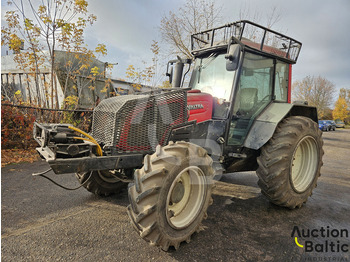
(232, 56)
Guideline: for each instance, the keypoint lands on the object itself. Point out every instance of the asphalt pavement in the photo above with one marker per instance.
(42, 222)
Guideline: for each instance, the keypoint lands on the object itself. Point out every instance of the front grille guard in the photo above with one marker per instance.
(138, 123)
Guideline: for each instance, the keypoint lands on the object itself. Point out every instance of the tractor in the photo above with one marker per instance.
(169, 146)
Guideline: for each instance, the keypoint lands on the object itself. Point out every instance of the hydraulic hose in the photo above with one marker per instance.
(99, 150)
(90, 138)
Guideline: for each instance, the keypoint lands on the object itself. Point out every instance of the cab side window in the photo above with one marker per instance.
(281, 81)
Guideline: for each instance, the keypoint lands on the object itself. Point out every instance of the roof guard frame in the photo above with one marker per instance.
(252, 35)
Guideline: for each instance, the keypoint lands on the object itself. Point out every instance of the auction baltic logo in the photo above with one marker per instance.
(321, 240)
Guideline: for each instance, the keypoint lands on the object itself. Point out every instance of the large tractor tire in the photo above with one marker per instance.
(290, 162)
(101, 182)
(171, 193)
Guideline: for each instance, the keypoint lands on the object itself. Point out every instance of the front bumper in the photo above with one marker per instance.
(64, 155)
(91, 163)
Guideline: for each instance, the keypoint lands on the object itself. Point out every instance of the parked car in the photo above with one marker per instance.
(323, 125)
(339, 124)
(331, 125)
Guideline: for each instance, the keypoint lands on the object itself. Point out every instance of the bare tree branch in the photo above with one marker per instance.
(176, 27)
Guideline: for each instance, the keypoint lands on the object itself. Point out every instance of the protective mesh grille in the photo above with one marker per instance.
(104, 118)
(139, 123)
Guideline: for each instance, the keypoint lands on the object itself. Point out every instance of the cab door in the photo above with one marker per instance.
(254, 92)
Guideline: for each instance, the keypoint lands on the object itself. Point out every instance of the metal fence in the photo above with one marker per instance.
(17, 122)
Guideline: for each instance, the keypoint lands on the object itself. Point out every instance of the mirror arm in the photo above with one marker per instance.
(231, 41)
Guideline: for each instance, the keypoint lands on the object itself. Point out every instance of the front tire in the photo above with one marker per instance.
(290, 162)
(171, 193)
(101, 182)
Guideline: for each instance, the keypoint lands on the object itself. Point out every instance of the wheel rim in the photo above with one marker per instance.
(304, 164)
(107, 176)
(186, 197)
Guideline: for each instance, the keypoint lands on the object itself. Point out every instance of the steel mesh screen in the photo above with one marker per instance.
(105, 116)
(138, 123)
(171, 111)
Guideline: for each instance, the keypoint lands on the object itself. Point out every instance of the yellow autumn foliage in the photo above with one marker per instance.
(341, 109)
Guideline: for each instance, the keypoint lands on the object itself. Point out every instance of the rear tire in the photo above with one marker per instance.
(171, 193)
(101, 182)
(290, 162)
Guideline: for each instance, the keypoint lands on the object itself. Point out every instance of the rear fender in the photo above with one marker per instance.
(265, 125)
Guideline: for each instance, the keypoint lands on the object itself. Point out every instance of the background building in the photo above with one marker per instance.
(70, 80)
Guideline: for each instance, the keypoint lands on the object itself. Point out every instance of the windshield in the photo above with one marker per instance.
(210, 76)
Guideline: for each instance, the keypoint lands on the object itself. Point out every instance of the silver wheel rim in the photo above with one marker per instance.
(185, 197)
(107, 177)
(304, 164)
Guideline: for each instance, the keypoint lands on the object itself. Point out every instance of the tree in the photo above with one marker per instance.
(49, 25)
(149, 75)
(317, 91)
(155, 75)
(176, 28)
(341, 109)
(268, 20)
(79, 71)
(135, 76)
(345, 93)
(245, 13)
(165, 84)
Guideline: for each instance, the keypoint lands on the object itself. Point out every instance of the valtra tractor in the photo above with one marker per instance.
(235, 115)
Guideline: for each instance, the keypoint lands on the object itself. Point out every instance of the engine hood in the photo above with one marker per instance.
(199, 105)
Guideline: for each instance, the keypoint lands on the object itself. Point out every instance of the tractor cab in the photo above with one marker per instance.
(239, 70)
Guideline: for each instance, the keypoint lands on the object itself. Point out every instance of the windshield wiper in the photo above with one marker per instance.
(209, 59)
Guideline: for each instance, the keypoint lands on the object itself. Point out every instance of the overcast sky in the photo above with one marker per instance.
(128, 27)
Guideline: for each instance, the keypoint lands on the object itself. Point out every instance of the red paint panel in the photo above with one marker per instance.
(200, 106)
(290, 84)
